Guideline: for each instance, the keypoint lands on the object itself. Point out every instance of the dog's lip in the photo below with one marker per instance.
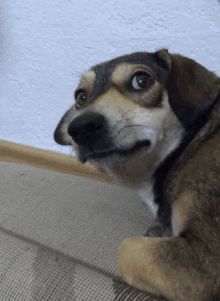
(124, 152)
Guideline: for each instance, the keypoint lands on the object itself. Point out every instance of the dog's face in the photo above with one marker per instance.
(126, 119)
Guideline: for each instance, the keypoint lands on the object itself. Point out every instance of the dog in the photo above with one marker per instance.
(151, 121)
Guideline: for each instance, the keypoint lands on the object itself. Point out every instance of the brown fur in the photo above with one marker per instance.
(186, 265)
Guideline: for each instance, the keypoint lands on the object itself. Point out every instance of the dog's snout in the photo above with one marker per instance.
(87, 129)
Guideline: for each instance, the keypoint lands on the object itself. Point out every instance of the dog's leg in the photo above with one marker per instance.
(168, 267)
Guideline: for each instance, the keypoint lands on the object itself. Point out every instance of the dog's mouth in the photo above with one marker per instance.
(121, 152)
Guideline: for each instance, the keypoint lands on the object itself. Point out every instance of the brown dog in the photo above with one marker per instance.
(152, 120)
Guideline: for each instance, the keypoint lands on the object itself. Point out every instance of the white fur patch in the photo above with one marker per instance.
(147, 195)
(90, 74)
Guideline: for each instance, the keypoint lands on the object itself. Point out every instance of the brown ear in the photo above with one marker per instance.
(192, 89)
(61, 135)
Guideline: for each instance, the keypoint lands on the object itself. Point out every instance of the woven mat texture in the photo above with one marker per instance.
(59, 236)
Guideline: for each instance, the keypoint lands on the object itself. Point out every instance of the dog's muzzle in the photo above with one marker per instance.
(90, 132)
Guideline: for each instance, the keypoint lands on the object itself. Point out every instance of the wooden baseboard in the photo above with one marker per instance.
(18, 153)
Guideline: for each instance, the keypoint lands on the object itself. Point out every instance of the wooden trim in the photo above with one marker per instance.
(18, 153)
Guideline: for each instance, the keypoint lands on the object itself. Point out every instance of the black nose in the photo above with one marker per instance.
(87, 129)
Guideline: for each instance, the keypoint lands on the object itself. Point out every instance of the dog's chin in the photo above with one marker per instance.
(109, 157)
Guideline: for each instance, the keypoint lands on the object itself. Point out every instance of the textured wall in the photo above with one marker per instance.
(45, 46)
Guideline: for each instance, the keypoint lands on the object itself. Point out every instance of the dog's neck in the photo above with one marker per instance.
(145, 191)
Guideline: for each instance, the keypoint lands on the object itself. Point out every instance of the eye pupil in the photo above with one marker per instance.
(141, 80)
(80, 97)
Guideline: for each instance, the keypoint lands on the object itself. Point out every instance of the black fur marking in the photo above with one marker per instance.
(163, 172)
(189, 236)
(103, 71)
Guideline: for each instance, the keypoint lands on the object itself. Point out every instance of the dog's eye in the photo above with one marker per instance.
(141, 80)
(80, 97)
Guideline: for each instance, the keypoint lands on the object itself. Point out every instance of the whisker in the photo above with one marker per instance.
(125, 169)
(71, 153)
(129, 118)
(145, 126)
(78, 73)
(128, 126)
(125, 113)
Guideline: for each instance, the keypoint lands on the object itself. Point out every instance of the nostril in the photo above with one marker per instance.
(93, 127)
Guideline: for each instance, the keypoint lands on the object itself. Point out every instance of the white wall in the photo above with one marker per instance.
(45, 46)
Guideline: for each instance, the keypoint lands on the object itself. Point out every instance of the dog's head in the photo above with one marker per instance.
(131, 112)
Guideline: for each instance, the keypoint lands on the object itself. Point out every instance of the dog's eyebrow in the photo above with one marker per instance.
(123, 72)
(104, 71)
(88, 80)
(89, 75)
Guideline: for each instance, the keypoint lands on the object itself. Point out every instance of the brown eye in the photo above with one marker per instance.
(80, 97)
(141, 80)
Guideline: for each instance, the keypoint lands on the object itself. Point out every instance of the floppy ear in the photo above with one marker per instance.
(61, 135)
(192, 89)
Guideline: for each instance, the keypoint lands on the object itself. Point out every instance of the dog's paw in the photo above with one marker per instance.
(135, 263)
(130, 258)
